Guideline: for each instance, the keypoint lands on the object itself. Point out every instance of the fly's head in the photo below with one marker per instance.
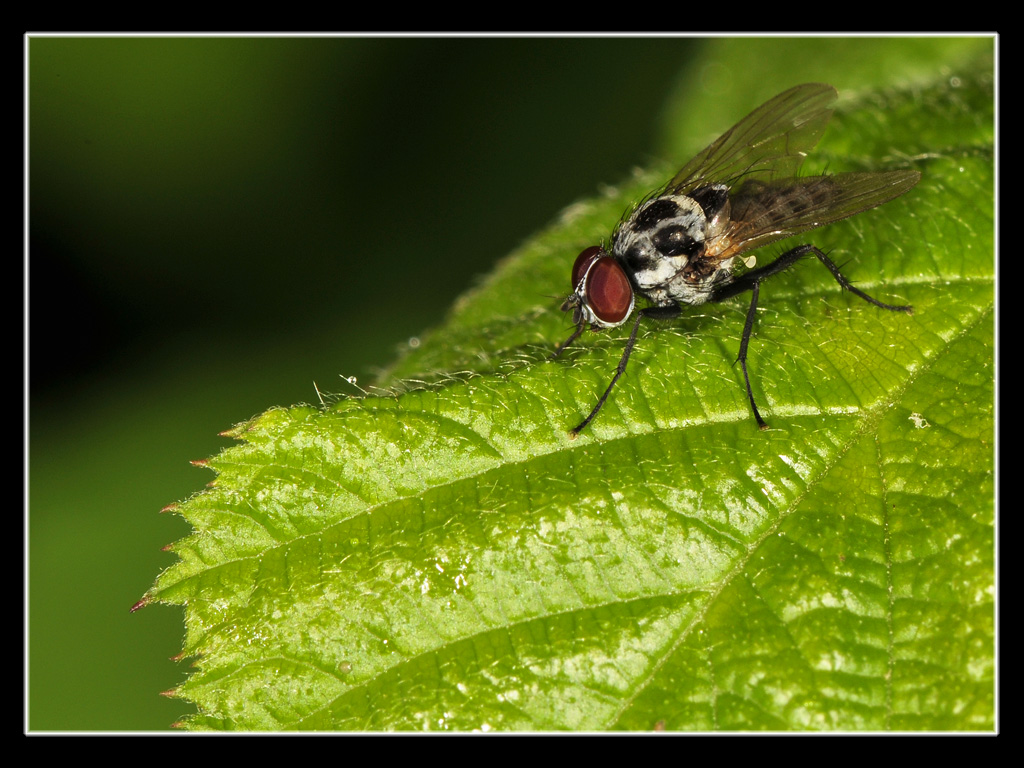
(602, 296)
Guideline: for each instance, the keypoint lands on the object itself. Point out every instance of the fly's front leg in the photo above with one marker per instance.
(656, 313)
(561, 347)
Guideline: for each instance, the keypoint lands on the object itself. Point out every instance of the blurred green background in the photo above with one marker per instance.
(217, 223)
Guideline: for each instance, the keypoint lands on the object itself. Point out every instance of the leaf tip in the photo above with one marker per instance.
(146, 600)
(235, 432)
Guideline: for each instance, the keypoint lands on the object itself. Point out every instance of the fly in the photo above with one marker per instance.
(679, 245)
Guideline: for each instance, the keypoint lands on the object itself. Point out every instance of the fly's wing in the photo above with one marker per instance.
(764, 212)
(770, 142)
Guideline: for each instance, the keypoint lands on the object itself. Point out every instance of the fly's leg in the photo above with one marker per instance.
(748, 327)
(561, 347)
(751, 281)
(655, 313)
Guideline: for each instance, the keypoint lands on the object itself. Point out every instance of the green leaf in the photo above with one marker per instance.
(441, 555)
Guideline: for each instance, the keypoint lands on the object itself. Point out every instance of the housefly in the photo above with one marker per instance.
(679, 245)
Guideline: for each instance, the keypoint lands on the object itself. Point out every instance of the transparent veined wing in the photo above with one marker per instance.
(764, 212)
(771, 141)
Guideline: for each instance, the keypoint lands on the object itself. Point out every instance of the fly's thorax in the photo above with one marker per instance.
(655, 244)
(666, 237)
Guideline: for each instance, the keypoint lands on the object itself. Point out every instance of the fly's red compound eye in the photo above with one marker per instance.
(608, 292)
(587, 257)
